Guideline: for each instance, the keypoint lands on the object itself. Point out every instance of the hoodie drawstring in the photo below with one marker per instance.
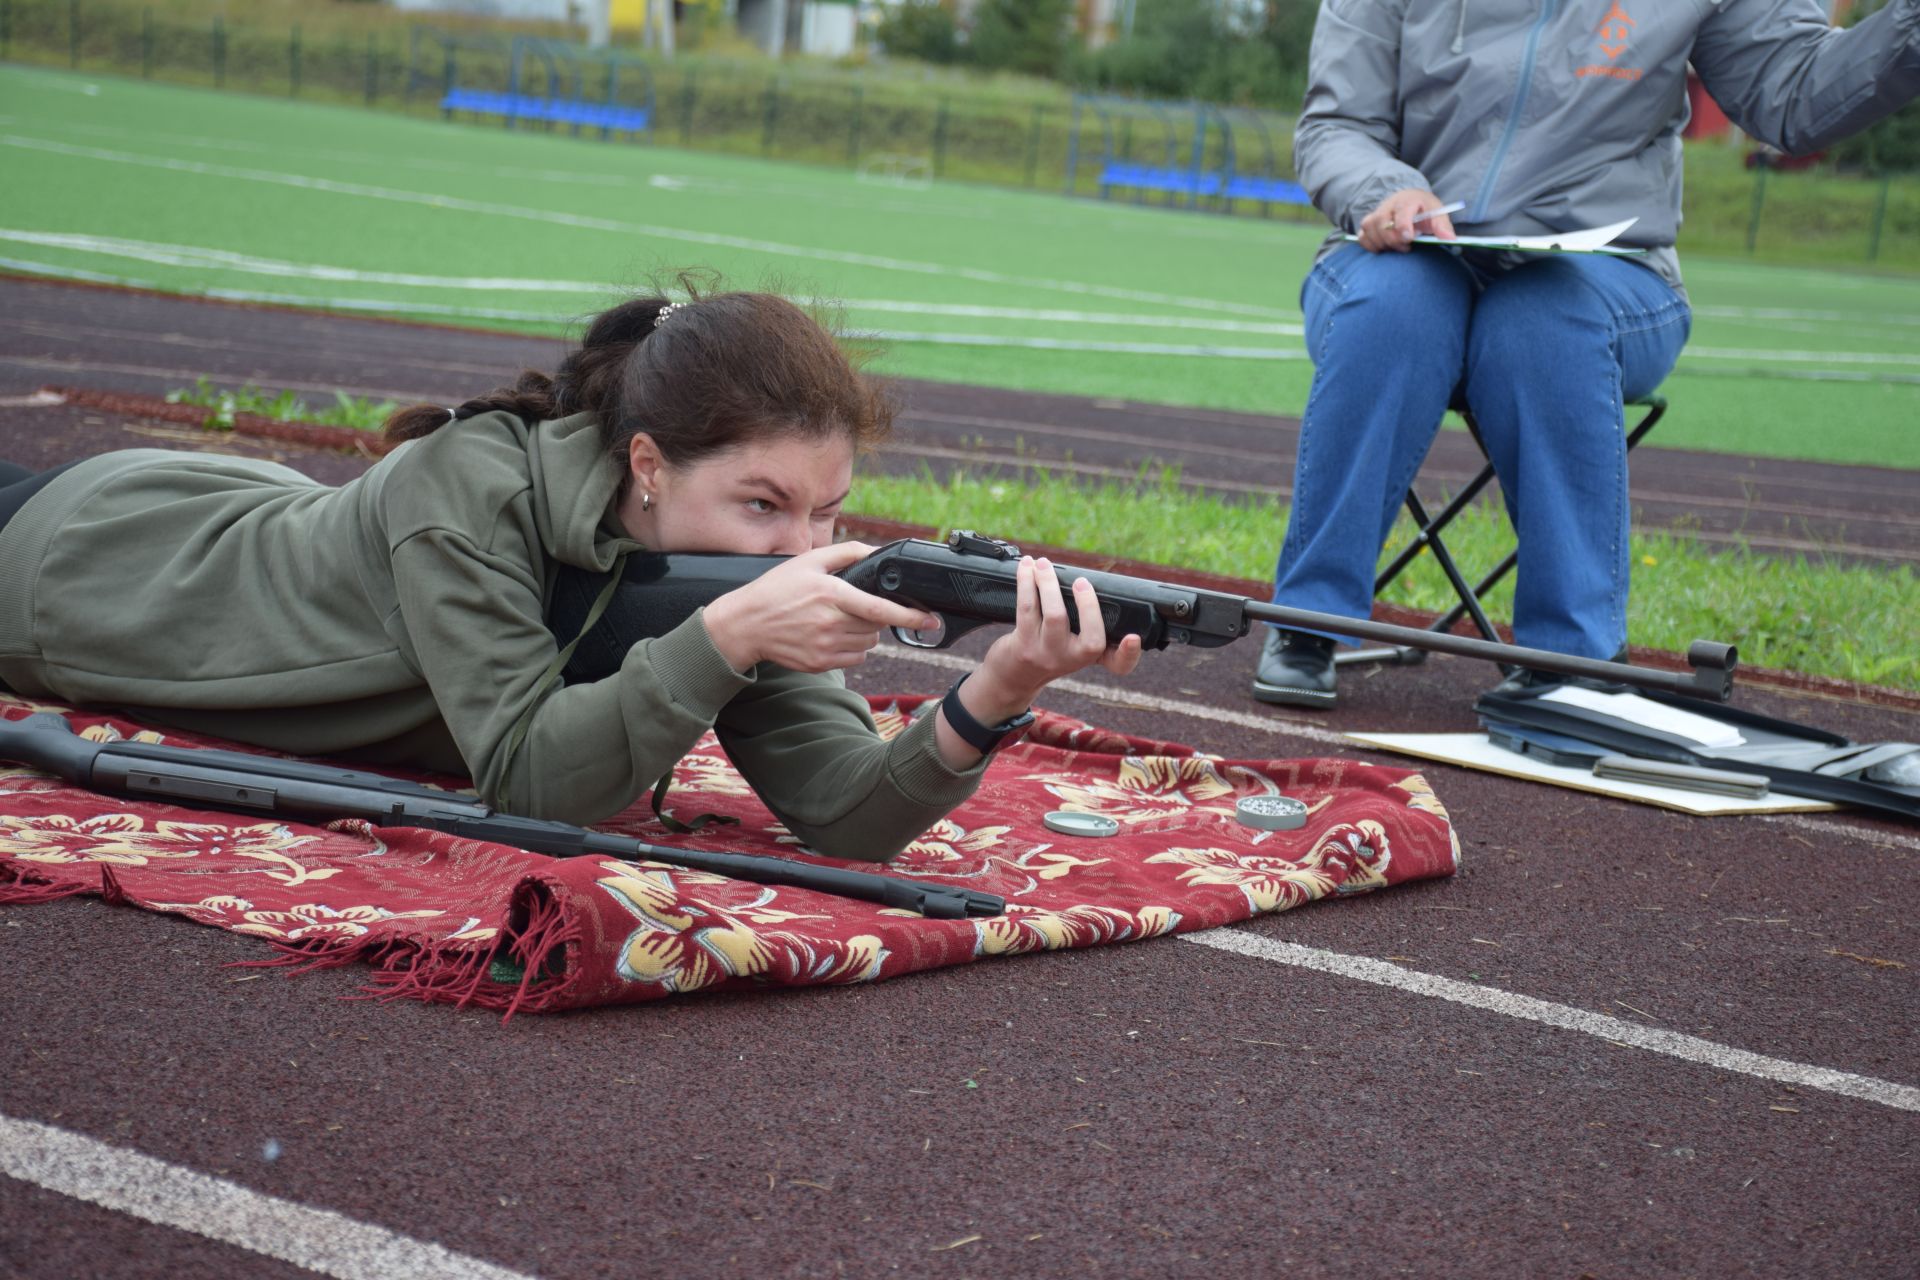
(1460, 29)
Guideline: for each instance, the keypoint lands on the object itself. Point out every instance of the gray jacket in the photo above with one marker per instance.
(1550, 115)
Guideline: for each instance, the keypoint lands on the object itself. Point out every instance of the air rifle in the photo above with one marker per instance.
(969, 582)
(297, 789)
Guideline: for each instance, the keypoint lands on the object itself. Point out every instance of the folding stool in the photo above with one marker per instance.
(1427, 537)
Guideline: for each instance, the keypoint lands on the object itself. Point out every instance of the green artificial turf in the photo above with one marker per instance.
(199, 192)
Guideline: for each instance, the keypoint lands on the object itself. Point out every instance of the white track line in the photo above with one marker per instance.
(375, 306)
(196, 257)
(1763, 356)
(1057, 316)
(185, 377)
(398, 307)
(1828, 827)
(139, 1185)
(1789, 313)
(656, 231)
(1079, 344)
(1276, 722)
(1632, 1034)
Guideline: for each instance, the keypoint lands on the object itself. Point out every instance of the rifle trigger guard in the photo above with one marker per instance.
(950, 630)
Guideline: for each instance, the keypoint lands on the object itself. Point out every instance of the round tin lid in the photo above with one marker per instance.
(1271, 813)
(1068, 822)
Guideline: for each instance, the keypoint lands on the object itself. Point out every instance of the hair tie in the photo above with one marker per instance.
(666, 313)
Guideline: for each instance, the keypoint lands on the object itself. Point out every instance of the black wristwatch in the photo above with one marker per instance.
(984, 738)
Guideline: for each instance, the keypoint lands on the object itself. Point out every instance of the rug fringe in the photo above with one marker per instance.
(415, 968)
(315, 954)
(17, 890)
(436, 974)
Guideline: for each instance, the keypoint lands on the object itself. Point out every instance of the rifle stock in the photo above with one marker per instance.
(235, 781)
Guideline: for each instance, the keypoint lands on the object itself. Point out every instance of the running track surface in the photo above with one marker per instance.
(1621, 1042)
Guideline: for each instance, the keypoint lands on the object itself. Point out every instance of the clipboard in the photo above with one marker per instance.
(1581, 240)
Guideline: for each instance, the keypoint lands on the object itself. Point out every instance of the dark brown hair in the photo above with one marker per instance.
(723, 370)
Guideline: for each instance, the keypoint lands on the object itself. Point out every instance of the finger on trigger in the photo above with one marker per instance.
(839, 555)
(882, 612)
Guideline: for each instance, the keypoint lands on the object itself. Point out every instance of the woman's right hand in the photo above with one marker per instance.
(801, 617)
(1391, 225)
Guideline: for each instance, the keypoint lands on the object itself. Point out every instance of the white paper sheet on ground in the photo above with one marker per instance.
(1648, 714)
(1475, 751)
(1587, 240)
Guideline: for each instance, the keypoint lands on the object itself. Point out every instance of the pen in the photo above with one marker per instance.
(1455, 207)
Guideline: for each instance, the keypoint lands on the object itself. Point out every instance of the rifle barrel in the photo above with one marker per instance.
(1711, 663)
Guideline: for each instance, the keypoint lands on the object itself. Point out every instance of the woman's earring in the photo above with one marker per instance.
(646, 502)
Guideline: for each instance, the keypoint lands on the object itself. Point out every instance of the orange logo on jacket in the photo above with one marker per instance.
(1615, 30)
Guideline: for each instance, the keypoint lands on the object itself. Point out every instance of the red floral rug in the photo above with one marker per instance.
(444, 918)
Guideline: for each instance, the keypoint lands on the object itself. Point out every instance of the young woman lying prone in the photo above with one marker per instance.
(400, 618)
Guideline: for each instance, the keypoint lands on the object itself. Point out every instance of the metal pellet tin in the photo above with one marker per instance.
(1271, 813)
(1068, 822)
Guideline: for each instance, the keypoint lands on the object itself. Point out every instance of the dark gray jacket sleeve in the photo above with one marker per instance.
(1788, 78)
(1346, 146)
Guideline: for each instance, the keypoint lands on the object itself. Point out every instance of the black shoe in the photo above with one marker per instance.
(1296, 670)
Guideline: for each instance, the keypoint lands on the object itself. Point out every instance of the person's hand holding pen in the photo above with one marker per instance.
(1403, 215)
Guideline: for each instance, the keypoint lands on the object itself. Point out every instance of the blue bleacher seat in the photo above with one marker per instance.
(1196, 182)
(1147, 177)
(612, 117)
(1271, 190)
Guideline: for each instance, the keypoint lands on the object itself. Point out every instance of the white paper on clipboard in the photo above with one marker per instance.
(1701, 731)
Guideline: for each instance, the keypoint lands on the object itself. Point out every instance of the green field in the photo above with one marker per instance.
(200, 192)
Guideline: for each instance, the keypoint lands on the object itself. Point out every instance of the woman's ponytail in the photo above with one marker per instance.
(723, 370)
(588, 380)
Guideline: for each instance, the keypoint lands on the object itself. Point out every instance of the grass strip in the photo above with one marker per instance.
(223, 404)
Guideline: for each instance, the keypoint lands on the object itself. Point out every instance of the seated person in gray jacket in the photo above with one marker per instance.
(400, 617)
(1538, 116)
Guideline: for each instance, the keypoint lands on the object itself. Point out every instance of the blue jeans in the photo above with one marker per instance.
(1546, 355)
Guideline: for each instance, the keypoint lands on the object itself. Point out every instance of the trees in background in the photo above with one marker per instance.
(922, 29)
(1245, 52)
(1251, 53)
(1241, 51)
(1028, 36)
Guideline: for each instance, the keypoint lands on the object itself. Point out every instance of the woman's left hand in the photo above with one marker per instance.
(1042, 647)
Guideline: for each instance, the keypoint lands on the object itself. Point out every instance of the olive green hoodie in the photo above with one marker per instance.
(398, 618)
